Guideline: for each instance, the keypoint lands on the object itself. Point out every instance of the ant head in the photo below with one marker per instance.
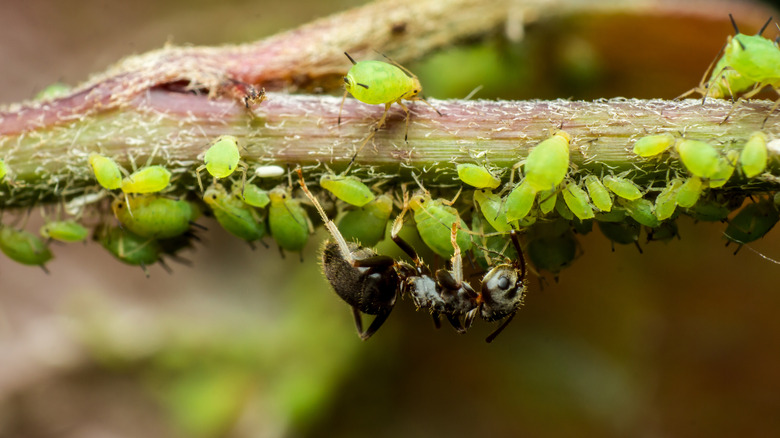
(503, 291)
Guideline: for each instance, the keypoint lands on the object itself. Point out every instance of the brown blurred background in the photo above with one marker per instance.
(679, 341)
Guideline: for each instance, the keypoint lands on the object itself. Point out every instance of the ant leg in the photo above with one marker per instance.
(375, 324)
(500, 328)
(358, 321)
(521, 257)
(457, 324)
(377, 261)
(436, 320)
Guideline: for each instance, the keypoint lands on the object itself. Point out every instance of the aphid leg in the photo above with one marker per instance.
(773, 109)
(408, 115)
(343, 99)
(360, 148)
(398, 223)
(382, 119)
(334, 231)
(197, 174)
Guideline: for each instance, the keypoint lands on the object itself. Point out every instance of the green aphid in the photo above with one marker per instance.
(623, 233)
(562, 209)
(128, 247)
(754, 156)
(652, 145)
(754, 57)
(577, 201)
(519, 201)
(598, 193)
(3, 170)
(666, 201)
(153, 216)
(24, 247)
(726, 166)
(699, 157)
(642, 211)
(221, 159)
(547, 163)
(617, 214)
(434, 221)
(477, 176)
(753, 221)
(107, 171)
(547, 200)
(725, 82)
(367, 224)
(493, 210)
(622, 187)
(252, 195)
(665, 232)
(689, 192)
(53, 91)
(347, 188)
(709, 209)
(64, 231)
(551, 247)
(287, 220)
(235, 216)
(150, 179)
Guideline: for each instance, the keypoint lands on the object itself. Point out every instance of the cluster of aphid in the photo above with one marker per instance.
(538, 217)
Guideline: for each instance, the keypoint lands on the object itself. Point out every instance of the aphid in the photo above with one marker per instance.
(477, 176)
(503, 290)
(53, 91)
(710, 209)
(666, 201)
(563, 210)
(487, 241)
(652, 145)
(377, 82)
(287, 220)
(664, 232)
(252, 195)
(624, 232)
(150, 179)
(577, 201)
(551, 246)
(752, 222)
(754, 57)
(689, 192)
(234, 215)
(107, 171)
(754, 156)
(493, 210)
(434, 220)
(726, 166)
(519, 201)
(547, 200)
(363, 279)
(3, 170)
(24, 247)
(642, 211)
(64, 231)
(221, 159)
(153, 216)
(699, 157)
(548, 162)
(128, 247)
(598, 193)
(367, 224)
(622, 187)
(271, 171)
(347, 188)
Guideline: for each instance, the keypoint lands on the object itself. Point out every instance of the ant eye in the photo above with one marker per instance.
(503, 283)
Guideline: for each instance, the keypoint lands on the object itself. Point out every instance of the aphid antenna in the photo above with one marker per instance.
(332, 229)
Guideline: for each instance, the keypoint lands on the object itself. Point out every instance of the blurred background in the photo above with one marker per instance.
(678, 341)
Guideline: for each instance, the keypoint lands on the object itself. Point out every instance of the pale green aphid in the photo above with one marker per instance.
(754, 156)
(666, 201)
(150, 179)
(726, 166)
(64, 231)
(754, 57)
(562, 209)
(153, 216)
(624, 232)
(434, 219)
(709, 209)
(689, 192)
(287, 220)
(617, 214)
(3, 169)
(235, 216)
(24, 247)
(53, 91)
(577, 201)
(221, 159)
(652, 145)
(598, 193)
(552, 246)
(664, 232)
(753, 221)
(107, 171)
(128, 247)
(642, 211)
(548, 162)
(547, 200)
(519, 202)
(493, 210)
(253, 195)
(699, 157)
(477, 176)
(347, 188)
(367, 224)
(622, 187)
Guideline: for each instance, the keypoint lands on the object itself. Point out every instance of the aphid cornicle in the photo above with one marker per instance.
(365, 280)
(377, 82)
